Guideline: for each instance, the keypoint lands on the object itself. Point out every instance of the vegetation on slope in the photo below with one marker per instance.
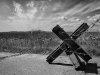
(41, 42)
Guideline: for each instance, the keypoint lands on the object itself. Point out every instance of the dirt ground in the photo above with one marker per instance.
(35, 64)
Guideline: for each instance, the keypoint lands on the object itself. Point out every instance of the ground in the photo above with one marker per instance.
(35, 64)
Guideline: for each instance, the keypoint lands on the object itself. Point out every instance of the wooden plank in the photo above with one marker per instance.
(74, 35)
(71, 43)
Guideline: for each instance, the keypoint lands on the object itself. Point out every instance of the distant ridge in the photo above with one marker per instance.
(26, 34)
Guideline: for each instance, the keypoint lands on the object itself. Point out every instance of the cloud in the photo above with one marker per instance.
(92, 7)
(19, 13)
(94, 19)
(19, 20)
(79, 9)
(73, 11)
(57, 6)
(31, 11)
(94, 22)
(46, 14)
(22, 19)
(69, 21)
(29, 20)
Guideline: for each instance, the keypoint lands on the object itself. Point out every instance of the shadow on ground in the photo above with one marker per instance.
(92, 68)
(89, 68)
(63, 64)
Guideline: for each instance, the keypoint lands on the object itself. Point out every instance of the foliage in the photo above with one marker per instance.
(41, 42)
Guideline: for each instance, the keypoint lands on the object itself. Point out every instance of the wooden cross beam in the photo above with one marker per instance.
(60, 49)
(69, 44)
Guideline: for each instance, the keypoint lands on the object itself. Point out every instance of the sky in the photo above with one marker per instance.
(27, 15)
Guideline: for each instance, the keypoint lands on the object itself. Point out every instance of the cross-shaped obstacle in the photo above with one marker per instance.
(75, 52)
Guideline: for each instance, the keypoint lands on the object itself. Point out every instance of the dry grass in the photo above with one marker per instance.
(40, 42)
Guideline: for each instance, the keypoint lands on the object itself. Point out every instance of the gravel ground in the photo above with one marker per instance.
(35, 64)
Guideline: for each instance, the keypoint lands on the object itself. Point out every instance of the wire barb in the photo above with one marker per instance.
(66, 49)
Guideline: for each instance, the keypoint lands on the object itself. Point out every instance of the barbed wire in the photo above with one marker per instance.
(70, 51)
(77, 52)
(66, 49)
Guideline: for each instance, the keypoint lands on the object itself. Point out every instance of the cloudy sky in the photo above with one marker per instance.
(26, 15)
